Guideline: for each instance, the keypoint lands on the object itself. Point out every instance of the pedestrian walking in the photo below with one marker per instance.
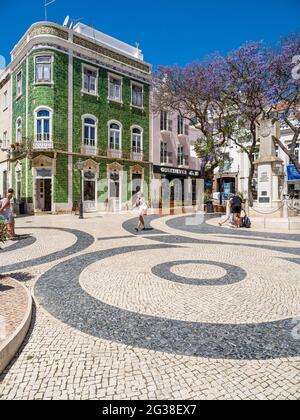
(7, 214)
(236, 209)
(229, 215)
(143, 211)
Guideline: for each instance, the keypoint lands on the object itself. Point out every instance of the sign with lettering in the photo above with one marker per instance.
(177, 172)
(264, 177)
(264, 199)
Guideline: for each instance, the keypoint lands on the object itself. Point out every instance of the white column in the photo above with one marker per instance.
(27, 123)
(188, 192)
(70, 124)
(275, 188)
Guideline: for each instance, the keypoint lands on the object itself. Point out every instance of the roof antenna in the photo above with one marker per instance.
(46, 5)
(66, 21)
(138, 44)
(75, 21)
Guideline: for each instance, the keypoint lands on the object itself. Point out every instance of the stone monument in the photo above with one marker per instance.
(270, 170)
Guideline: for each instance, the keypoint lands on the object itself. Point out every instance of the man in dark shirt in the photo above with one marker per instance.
(236, 208)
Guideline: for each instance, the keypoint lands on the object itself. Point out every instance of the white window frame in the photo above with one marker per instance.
(163, 152)
(19, 128)
(133, 83)
(96, 70)
(180, 125)
(19, 93)
(121, 132)
(18, 178)
(5, 100)
(165, 121)
(142, 137)
(180, 154)
(51, 82)
(115, 76)
(43, 108)
(91, 117)
(121, 178)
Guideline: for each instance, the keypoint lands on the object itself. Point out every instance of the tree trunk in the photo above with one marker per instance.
(250, 183)
(294, 160)
(292, 156)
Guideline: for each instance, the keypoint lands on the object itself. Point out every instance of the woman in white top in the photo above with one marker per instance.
(143, 210)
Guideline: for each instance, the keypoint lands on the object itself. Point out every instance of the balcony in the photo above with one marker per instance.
(89, 150)
(137, 154)
(43, 145)
(4, 145)
(114, 153)
(183, 161)
(166, 158)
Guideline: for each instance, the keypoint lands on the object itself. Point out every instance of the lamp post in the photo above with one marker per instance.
(221, 171)
(79, 166)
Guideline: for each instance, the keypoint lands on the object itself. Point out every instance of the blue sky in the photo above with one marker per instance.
(169, 31)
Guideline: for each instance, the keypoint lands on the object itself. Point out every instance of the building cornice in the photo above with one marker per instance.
(56, 44)
(4, 78)
(39, 31)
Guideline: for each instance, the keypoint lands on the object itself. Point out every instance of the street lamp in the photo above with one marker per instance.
(221, 172)
(79, 166)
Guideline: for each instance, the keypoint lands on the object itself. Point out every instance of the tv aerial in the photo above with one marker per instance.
(66, 21)
(47, 3)
(75, 21)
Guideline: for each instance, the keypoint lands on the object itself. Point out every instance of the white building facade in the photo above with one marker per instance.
(176, 177)
(5, 130)
(236, 174)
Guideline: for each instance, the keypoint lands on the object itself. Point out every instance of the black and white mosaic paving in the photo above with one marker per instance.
(233, 275)
(83, 241)
(59, 291)
(22, 242)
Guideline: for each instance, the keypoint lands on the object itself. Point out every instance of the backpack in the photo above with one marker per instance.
(246, 222)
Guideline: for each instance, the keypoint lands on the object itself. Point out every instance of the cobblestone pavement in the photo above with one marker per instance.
(13, 303)
(181, 311)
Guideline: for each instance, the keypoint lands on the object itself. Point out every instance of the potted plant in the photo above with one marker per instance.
(208, 201)
(2, 232)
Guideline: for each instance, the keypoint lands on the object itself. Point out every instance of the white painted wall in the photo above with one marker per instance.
(5, 125)
(173, 141)
(241, 165)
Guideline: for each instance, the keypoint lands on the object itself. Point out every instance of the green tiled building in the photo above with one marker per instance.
(79, 99)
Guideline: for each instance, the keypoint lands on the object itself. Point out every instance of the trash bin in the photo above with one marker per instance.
(209, 207)
(22, 208)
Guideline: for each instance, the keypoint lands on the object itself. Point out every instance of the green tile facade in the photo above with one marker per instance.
(55, 97)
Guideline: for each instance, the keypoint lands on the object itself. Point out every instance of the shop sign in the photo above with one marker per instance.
(177, 172)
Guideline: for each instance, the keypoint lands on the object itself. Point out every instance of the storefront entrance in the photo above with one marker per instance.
(43, 170)
(227, 185)
(44, 195)
(114, 191)
(89, 192)
(180, 189)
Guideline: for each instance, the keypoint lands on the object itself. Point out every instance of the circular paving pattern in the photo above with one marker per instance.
(233, 274)
(126, 281)
(60, 292)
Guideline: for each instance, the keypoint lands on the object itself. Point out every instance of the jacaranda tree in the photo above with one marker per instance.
(193, 92)
(283, 92)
